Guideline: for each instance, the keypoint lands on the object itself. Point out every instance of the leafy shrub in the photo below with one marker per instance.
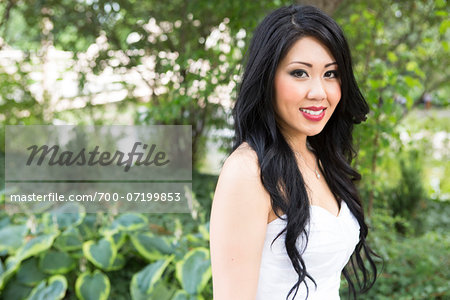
(414, 266)
(409, 191)
(96, 256)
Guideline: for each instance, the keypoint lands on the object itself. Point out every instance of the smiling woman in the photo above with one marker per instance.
(286, 215)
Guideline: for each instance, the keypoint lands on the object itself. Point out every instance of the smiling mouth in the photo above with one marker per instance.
(312, 112)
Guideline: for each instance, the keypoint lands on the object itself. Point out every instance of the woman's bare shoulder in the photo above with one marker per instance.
(242, 162)
(240, 182)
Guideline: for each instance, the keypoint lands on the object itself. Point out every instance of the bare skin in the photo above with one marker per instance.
(239, 219)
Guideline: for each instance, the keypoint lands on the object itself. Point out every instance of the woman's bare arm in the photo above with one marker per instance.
(238, 226)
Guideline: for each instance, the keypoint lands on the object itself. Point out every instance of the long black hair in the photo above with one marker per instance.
(255, 123)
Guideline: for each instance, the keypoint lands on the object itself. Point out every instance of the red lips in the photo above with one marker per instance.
(313, 117)
(314, 108)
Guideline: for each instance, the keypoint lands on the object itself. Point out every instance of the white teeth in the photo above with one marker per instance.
(312, 112)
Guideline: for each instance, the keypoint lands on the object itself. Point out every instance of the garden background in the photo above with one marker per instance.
(102, 62)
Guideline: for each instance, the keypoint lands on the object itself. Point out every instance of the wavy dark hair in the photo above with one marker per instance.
(255, 123)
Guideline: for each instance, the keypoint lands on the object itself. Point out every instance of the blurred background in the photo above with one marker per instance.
(101, 62)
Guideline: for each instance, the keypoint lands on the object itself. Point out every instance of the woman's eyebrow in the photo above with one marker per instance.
(330, 64)
(310, 65)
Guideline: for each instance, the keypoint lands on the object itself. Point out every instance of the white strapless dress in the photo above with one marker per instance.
(332, 240)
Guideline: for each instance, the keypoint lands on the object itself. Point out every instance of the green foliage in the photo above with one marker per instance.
(186, 53)
(92, 286)
(69, 240)
(143, 283)
(58, 263)
(396, 60)
(129, 222)
(415, 267)
(35, 246)
(102, 254)
(29, 273)
(11, 237)
(53, 289)
(435, 217)
(414, 263)
(151, 246)
(194, 270)
(408, 192)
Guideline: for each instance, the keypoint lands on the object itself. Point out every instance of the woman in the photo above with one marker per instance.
(286, 216)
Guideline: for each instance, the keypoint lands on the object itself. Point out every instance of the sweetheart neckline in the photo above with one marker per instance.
(320, 208)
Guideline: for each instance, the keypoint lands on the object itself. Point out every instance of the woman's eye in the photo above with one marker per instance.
(331, 74)
(299, 74)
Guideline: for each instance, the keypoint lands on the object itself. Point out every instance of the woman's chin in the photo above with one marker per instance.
(315, 131)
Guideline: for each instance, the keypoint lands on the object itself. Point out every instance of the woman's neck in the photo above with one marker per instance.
(298, 144)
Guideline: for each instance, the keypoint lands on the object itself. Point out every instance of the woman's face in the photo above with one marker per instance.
(307, 88)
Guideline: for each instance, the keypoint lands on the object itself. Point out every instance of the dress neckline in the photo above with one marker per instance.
(319, 208)
(328, 212)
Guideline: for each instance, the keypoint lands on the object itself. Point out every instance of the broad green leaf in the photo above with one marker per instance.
(11, 237)
(130, 222)
(102, 254)
(29, 273)
(15, 290)
(35, 246)
(182, 295)
(68, 215)
(163, 291)
(77, 253)
(55, 289)
(118, 263)
(119, 238)
(150, 246)
(109, 230)
(143, 282)
(56, 262)
(194, 271)
(92, 286)
(88, 228)
(11, 266)
(69, 240)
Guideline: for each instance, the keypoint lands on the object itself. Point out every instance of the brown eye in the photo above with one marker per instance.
(331, 74)
(299, 73)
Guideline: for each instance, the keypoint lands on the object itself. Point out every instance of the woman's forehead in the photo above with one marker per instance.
(308, 50)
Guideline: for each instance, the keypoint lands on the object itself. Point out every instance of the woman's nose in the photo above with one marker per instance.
(316, 90)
